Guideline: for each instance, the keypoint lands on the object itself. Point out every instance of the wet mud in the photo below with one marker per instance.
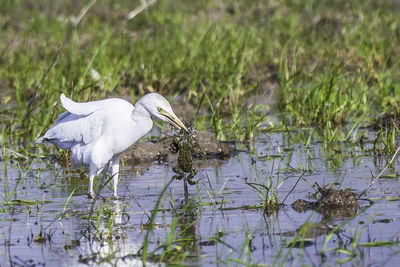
(387, 122)
(160, 149)
(332, 203)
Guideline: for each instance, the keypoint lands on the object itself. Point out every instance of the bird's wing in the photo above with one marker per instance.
(62, 116)
(71, 129)
(82, 123)
(77, 108)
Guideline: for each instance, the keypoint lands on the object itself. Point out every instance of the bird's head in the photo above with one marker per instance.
(159, 107)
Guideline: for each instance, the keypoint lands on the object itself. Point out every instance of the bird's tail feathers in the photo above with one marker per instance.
(77, 108)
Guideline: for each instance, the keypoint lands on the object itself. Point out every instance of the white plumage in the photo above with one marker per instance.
(98, 132)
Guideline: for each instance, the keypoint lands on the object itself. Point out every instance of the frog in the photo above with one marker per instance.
(184, 142)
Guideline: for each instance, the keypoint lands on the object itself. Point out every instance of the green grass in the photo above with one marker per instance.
(332, 62)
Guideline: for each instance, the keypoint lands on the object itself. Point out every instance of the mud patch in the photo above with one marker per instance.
(387, 122)
(160, 150)
(331, 203)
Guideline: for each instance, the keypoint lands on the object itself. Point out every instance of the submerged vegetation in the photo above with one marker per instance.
(308, 91)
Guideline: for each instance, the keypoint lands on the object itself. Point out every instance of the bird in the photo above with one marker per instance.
(98, 132)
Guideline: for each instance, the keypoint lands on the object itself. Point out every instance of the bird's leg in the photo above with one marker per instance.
(92, 174)
(114, 173)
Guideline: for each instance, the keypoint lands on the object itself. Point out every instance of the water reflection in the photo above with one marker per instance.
(187, 216)
(104, 239)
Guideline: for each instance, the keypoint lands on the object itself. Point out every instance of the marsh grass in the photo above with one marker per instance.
(144, 251)
(219, 55)
(386, 142)
(180, 238)
(9, 193)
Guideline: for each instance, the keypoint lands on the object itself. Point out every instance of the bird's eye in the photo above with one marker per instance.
(160, 110)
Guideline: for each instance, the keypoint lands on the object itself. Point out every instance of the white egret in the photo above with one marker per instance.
(98, 132)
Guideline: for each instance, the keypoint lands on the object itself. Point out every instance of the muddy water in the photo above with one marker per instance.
(226, 224)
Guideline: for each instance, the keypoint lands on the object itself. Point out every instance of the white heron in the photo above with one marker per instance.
(98, 132)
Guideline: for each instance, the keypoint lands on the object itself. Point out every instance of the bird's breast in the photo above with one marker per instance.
(129, 133)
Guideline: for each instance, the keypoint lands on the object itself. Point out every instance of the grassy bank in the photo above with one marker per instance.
(324, 63)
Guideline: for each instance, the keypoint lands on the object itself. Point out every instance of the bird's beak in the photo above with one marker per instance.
(175, 121)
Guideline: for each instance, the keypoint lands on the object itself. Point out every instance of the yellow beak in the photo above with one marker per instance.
(175, 121)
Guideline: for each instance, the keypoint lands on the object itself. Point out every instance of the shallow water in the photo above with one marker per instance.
(227, 223)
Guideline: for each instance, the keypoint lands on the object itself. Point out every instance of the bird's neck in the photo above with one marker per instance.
(140, 113)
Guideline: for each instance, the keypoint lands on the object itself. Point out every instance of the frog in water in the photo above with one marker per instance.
(184, 143)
